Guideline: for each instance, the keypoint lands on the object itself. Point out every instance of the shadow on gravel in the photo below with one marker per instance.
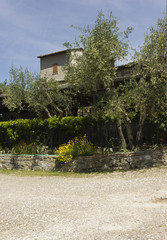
(160, 200)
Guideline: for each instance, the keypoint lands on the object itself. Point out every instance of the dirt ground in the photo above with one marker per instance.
(114, 206)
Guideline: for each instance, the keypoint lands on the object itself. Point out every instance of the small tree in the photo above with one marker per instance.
(95, 71)
(102, 45)
(151, 69)
(14, 91)
(47, 95)
(145, 94)
(26, 90)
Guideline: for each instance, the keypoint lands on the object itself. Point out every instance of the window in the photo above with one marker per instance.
(55, 69)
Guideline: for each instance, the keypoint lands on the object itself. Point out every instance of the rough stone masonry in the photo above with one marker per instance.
(107, 162)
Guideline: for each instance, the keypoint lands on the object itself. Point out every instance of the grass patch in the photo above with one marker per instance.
(38, 173)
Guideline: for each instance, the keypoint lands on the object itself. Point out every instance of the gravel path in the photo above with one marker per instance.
(112, 206)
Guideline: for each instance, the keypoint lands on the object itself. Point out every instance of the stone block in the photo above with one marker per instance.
(147, 157)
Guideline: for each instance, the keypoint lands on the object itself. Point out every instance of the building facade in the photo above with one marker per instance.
(51, 65)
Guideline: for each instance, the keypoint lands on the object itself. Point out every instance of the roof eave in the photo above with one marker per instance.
(59, 52)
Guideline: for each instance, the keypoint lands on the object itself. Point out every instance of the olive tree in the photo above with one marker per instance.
(14, 90)
(145, 94)
(102, 45)
(46, 95)
(93, 72)
(28, 91)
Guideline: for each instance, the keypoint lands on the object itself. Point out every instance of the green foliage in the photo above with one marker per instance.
(56, 131)
(144, 96)
(12, 132)
(152, 56)
(41, 131)
(70, 126)
(95, 71)
(101, 48)
(107, 150)
(15, 90)
(2, 151)
(27, 90)
(24, 148)
(43, 92)
(151, 67)
(76, 147)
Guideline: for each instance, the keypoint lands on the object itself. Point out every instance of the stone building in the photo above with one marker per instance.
(51, 67)
(51, 64)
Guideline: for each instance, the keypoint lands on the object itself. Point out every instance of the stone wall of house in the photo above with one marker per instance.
(115, 161)
(46, 65)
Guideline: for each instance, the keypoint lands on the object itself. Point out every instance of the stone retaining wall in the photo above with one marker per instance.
(115, 161)
(28, 162)
(119, 161)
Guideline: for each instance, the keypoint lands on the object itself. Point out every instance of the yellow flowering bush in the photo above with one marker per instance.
(76, 147)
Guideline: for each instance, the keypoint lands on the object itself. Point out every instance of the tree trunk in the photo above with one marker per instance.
(58, 110)
(129, 130)
(130, 135)
(123, 141)
(140, 128)
(47, 111)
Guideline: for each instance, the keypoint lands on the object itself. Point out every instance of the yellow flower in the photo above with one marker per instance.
(75, 147)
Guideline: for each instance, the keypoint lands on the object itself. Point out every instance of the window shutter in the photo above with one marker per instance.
(55, 69)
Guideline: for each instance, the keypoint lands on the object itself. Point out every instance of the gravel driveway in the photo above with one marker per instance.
(112, 206)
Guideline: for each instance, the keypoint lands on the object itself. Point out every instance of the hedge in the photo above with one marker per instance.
(52, 131)
(55, 131)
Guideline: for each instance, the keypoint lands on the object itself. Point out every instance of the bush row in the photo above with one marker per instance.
(56, 131)
(51, 132)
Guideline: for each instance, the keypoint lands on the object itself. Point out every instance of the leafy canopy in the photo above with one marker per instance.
(27, 90)
(145, 94)
(14, 91)
(102, 46)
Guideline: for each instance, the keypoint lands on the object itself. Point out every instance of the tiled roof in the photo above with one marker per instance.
(63, 51)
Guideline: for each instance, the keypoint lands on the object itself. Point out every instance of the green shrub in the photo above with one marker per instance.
(51, 132)
(24, 148)
(12, 132)
(55, 131)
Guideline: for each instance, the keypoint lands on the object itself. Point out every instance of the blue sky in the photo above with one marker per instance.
(29, 28)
